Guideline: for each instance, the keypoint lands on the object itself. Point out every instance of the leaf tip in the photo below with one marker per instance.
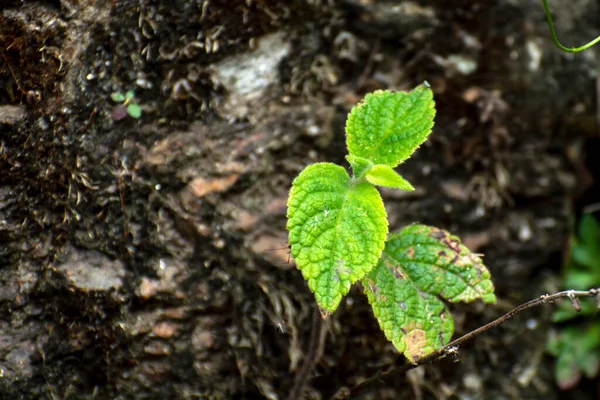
(489, 298)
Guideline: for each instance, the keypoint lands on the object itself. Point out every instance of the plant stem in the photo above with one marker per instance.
(452, 348)
(314, 353)
(555, 38)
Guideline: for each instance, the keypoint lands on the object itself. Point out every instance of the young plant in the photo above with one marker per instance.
(576, 344)
(338, 230)
(127, 106)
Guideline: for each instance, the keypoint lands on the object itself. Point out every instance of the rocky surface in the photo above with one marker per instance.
(146, 259)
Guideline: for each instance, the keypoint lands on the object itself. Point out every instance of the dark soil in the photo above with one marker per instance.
(147, 259)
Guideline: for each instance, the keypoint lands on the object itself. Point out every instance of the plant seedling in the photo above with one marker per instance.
(338, 230)
(127, 106)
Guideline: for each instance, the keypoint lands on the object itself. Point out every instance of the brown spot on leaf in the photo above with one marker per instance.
(479, 268)
(372, 287)
(452, 244)
(438, 234)
(397, 273)
(410, 252)
(415, 342)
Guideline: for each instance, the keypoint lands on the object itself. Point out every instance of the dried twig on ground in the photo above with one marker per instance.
(314, 353)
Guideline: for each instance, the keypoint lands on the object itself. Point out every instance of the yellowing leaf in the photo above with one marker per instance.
(417, 323)
(420, 264)
(438, 263)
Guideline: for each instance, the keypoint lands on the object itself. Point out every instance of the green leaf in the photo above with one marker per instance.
(566, 373)
(577, 348)
(418, 264)
(417, 323)
(589, 230)
(586, 248)
(577, 279)
(360, 166)
(590, 364)
(387, 127)
(129, 95)
(117, 97)
(382, 175)
(337, 230)
(565, 311)
(134, 110)
(438, 263)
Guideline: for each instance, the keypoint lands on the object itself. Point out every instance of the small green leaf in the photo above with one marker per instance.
(387, 127)
(337, 230)
(565, 311)
(129, 95)
(566, 373)
(577, 348)
(418, 264)
(590, 364)
(578, 279)
(586, 248)
(589, 230)
(417, 323)
(360, 166)
(382, 175)
(134, 110)
(117, 97)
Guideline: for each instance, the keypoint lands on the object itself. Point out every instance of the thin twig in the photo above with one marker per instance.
(315, 351)
(451, 348)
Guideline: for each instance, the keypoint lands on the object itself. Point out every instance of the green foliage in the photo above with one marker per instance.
(576, 344)
(382, 175)
(387, 127)
(117, 97)
(576, 349)
(337, 230)
(133, 110)
(338, 226)
(421, 264)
